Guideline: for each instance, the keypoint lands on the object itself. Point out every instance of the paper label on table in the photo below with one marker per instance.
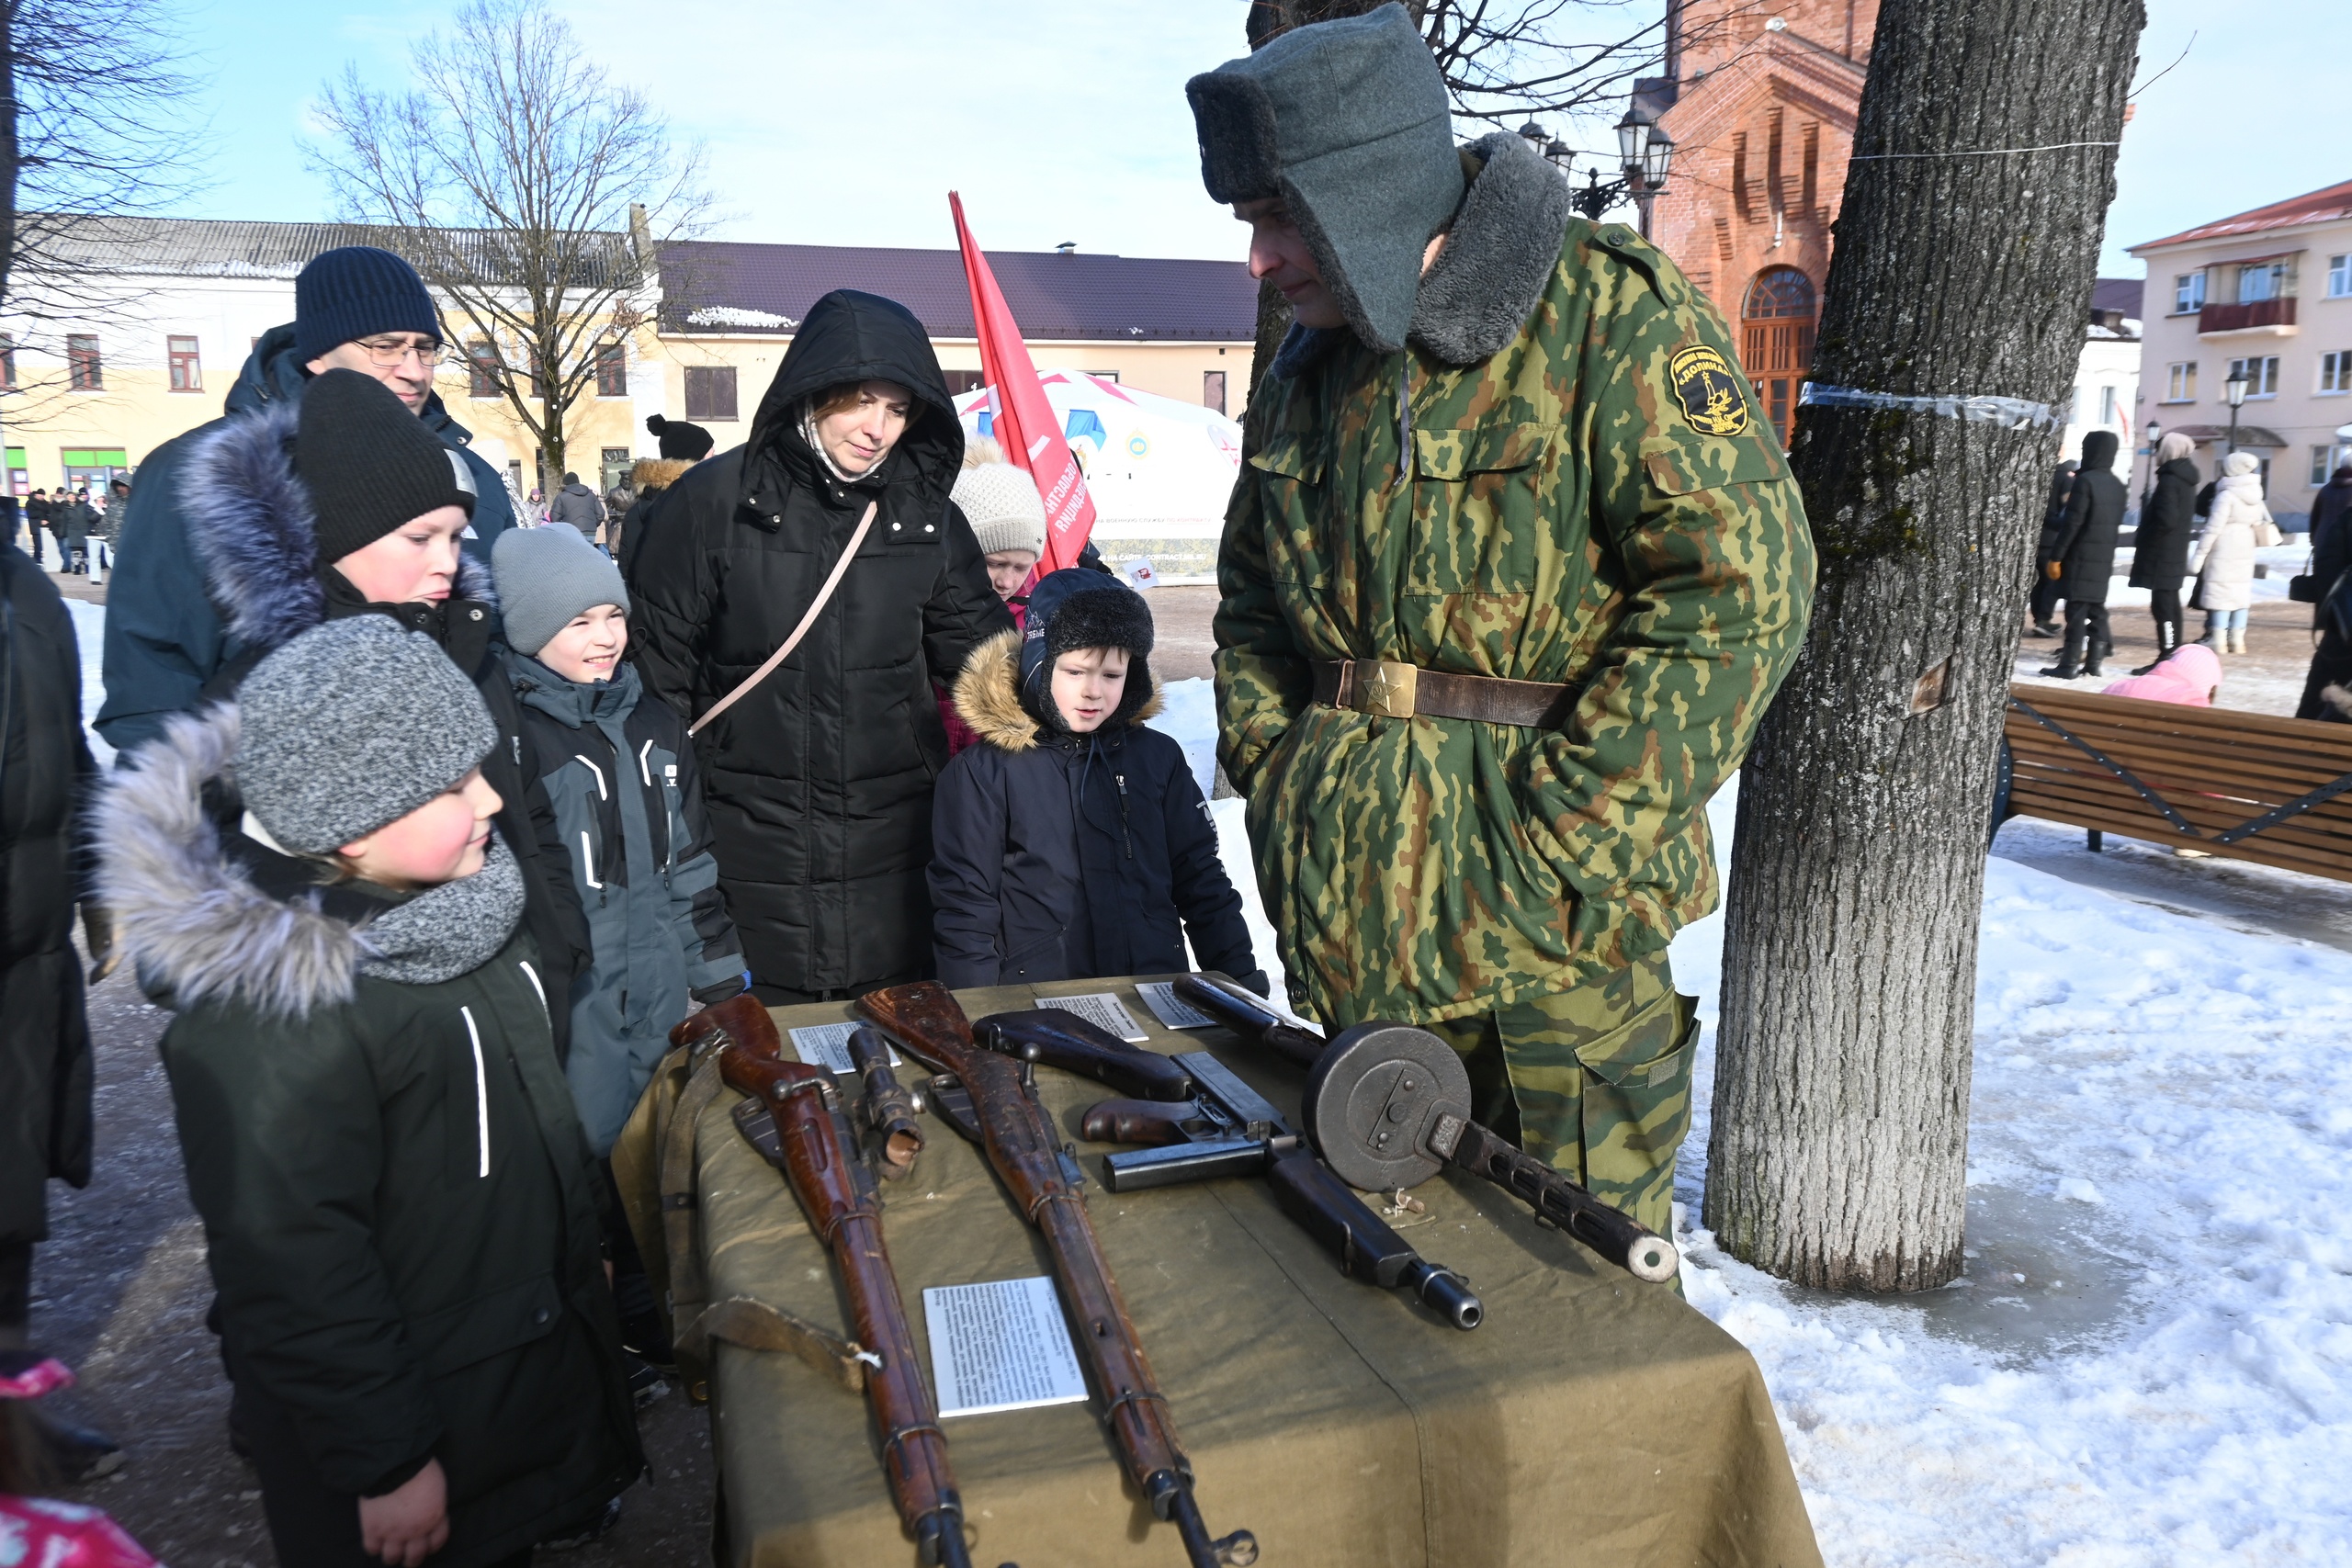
(826, 1045)
(1104, 1012)
(1172, 1010)
(1001, 1346)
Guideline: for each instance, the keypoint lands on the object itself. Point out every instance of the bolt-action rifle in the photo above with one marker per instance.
(1386, 1105)
(1043, 1179)
(837, 1192)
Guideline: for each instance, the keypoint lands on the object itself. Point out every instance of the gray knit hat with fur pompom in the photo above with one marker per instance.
(1000, 501)
(353, 725)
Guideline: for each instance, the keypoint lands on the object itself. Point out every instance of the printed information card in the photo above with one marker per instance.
(1001, 1346)
(826, 1045)
(1104, 1011)
(1172, 1010)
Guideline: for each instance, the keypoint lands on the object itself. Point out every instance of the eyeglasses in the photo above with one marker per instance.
(387, 352)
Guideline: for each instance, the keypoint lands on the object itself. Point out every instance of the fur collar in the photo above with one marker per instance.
(1500, 251)
(199, 929)
(250, 520)
(987, 696)
(657, 473)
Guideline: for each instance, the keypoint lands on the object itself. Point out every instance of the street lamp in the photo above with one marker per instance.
(1646, 156)
(2155, 431)
(2233, 388)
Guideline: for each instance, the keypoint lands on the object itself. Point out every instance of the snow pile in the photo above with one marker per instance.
(737, 315)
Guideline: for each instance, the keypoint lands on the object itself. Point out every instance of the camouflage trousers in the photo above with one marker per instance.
(1595, 1079)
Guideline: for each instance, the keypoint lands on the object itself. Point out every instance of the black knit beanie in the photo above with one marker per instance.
(356, 291)
(680, 442)
(370, 464)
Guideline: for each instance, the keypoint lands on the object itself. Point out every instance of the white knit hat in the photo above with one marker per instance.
(1000, 501)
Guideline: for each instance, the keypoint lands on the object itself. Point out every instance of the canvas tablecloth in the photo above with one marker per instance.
(1591, 1420)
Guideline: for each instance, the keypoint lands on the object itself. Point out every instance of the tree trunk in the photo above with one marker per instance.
(7, 142)
(1838, 1153)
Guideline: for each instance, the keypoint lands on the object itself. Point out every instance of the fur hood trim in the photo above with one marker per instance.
(987, 696)
(250, 522)
(188, 917)
(657, 473)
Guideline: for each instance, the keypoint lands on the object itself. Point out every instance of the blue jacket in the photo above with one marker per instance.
(1061, 857)
(165, 636)
(620, 779)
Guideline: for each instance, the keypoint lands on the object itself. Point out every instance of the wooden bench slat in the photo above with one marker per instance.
(2295, 833)
(2095, 706)
(2234, 771)
(2253, 848)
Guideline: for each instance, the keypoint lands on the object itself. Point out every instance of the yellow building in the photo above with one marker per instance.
(143, 326)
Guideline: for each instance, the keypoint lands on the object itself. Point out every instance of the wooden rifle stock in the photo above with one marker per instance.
(1028, 1158)
(837, 1192)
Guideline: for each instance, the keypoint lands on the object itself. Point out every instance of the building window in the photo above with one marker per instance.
(710, 391)
(2334, 372)
(2266, 281)
(2339, 276)
(2180, 382)
(2261, 375)
(2107, 405)
(187, 373)
(2323, 464)
(1776, 341)
(962, 381)
(7, 365)
(1213, 390)
(612, 370)
(482, 370)
(83, 371)
(2188, 294)
(1111, 375)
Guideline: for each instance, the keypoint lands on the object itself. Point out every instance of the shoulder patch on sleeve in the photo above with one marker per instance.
(1711, 395)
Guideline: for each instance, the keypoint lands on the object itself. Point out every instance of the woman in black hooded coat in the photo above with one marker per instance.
(2083, 558)
(819, 781)
(2160, 550)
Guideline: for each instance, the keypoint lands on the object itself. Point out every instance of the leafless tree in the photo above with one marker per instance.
(531, 191)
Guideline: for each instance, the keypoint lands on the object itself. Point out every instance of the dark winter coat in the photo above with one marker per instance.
(2055, 515)
(2160, 550)
(247, 523)
(2086, 533)
(38, 513)
(577, 505)
(620, 780)
(164, 637)
(399, 1208)
(820, 781)
(76, 519)
(46, 775)
(1060, 857)
(2332, 532)
(652, 477)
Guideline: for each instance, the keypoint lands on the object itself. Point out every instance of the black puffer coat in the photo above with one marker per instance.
(1064, 857)
(2093, 515)
(2160, 550)
(820, 781)
(46, 773)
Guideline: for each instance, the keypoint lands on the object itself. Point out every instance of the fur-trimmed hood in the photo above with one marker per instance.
(254, 532)
(988, 697)
(199, 927)
(656, 473)
(1499, 252)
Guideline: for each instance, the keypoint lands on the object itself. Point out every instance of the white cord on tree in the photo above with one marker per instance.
(2017, 413)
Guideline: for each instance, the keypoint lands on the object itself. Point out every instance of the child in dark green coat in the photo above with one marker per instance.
(401, 1208)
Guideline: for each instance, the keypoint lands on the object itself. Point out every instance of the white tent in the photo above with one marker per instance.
(1157, 469)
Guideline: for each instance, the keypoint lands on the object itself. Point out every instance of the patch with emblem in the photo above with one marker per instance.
(1713, 399)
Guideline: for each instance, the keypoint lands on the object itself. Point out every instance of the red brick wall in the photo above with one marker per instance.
(1763, 127)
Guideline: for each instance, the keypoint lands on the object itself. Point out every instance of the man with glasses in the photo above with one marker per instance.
(355, 308)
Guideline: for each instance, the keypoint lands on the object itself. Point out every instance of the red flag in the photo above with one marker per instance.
(1025, 422)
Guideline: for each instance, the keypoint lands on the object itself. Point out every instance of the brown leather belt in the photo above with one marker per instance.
(1386, 689)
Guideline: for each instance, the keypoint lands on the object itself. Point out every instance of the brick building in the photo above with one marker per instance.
(1761, 98)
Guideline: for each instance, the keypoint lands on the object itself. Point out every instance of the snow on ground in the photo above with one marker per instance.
(2149, 1359)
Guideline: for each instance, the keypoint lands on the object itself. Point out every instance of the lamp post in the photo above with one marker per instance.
(2233, 388)
(2148, 489)
(1645, 154)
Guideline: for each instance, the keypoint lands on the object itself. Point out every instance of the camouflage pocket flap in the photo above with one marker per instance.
(1679, 468)
(1479, 449)
(1290, 454)
(1648, 1050)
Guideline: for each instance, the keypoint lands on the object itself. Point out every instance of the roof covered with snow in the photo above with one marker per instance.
(197, 247)
(2325, 206)
(1054, 295)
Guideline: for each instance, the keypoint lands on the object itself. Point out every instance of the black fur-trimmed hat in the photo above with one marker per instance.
(1074, 608)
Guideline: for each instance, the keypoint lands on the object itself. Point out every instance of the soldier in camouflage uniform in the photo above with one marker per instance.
(1513, 570)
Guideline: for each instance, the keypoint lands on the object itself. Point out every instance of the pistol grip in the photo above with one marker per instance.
(1152, 1121)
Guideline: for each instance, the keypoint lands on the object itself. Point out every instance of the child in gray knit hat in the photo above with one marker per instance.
(620, 779)
(1006, 515)
(370, 1111)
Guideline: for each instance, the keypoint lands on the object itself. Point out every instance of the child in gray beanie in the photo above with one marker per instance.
(373, 1121)
(621, 783)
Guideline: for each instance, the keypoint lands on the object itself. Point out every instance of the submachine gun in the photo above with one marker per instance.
(1388, 1105)
(1044, 1181)
(1205, 1123)
(812, 1141)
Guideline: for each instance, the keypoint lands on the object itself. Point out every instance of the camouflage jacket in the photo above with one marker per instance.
(1597, 501)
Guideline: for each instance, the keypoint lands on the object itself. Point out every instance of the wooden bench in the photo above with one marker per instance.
(2274, 791)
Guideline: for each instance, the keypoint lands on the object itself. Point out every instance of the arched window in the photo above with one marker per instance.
(1776, 339)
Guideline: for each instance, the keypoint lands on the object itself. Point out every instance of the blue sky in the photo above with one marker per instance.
(1065, 119)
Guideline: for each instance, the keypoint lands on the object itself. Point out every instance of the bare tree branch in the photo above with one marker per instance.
(531, 192)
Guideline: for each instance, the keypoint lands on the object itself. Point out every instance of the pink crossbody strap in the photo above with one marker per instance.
(816, 608)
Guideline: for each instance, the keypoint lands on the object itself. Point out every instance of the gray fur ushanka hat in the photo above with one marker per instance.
(1348, 122)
